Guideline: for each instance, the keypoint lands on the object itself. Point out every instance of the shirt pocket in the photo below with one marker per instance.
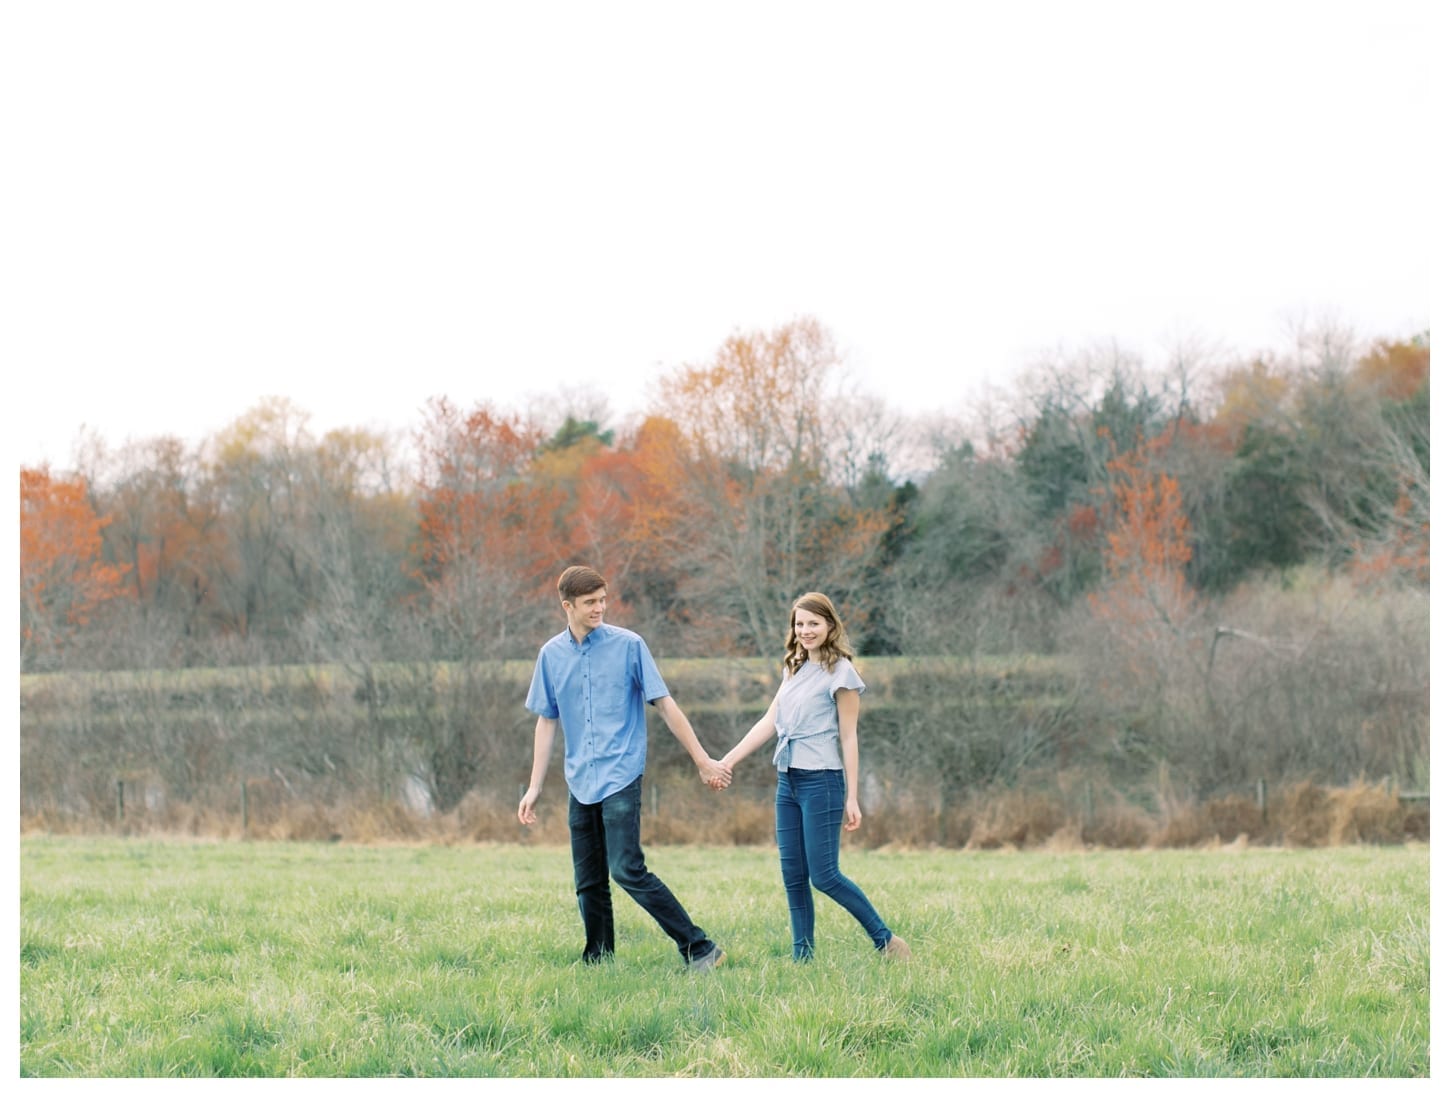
(611, 700)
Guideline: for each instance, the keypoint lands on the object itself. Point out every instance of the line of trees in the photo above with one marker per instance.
(1214, 545)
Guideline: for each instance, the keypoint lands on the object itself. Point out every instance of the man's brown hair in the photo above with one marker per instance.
(579, 580)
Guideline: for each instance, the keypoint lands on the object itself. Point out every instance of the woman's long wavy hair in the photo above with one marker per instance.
(833, 647)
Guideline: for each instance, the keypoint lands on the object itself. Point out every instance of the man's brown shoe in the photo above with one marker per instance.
(897, 949)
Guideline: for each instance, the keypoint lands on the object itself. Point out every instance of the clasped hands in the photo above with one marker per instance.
(715, 774)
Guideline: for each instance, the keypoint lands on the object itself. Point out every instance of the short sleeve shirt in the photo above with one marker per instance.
(807, 726)
(596, 689)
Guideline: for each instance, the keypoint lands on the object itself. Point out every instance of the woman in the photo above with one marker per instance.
(813, 719)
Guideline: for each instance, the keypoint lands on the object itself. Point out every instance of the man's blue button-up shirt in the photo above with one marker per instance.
(597, 691)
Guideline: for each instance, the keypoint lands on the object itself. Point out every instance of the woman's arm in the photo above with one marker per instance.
(761, 731)
(848, 709)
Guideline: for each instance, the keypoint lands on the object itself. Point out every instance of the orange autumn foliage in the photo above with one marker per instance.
(1395, 371)
(760, 407)
(1404, 552)
(62, 577)
(160, 528)
(1147, 549)
(627, 499)
(655, 488)
(1257, 393)
(474, 498)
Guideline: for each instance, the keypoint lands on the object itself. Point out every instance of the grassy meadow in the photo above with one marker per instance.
(183, 958)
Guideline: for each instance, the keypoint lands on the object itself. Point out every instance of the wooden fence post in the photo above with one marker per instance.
(244, 808)
(1262, 794)
(120, 800)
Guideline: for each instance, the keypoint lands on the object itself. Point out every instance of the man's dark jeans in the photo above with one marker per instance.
(605, 842)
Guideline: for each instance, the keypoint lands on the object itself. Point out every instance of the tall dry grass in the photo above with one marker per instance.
(1068, 815)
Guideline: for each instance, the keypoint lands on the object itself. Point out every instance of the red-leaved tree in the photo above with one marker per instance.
(63, 580)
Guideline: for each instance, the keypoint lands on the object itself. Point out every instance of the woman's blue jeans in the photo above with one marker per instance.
(809, 805)
(604, 838)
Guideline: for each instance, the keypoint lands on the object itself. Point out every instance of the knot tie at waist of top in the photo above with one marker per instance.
(781, 758)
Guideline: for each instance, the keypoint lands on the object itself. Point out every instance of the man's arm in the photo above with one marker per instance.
(712, 773)
(544, 729)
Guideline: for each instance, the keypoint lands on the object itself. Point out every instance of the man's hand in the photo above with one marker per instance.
(526, 807)
(715, 774)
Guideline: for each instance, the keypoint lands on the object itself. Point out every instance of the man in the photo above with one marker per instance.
(594, 679)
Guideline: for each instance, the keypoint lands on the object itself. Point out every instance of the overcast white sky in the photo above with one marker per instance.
(361, 205)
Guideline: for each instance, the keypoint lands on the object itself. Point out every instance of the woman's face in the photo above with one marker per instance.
(811, 630)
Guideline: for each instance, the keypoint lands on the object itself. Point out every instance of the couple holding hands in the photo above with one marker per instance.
(594, 680)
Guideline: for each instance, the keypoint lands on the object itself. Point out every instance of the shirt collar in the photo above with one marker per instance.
(587, 642)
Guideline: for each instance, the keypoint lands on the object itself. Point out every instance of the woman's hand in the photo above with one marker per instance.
(715, 774)
(853, 814)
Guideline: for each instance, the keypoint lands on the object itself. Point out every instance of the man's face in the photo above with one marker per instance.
(586, 613)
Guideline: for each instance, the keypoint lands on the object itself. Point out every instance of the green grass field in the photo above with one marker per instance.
(172, 958)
